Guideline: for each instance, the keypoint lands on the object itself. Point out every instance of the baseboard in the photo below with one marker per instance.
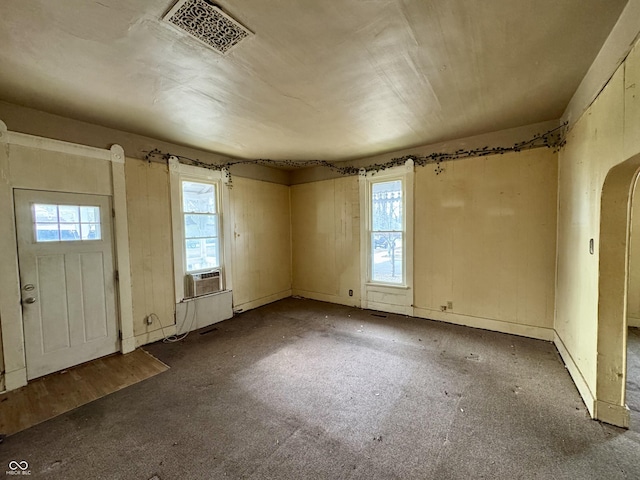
(576, 375)
(530, 331)
(633, 321)
(154, 335)
(259, 302)
(617, 415)
(323, 297)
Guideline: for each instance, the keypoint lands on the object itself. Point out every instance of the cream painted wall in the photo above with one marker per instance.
(325, 219)
(633, 301)
(485, 237)
(605, 135)
(593, 146)
(150, 244)
(261, 244)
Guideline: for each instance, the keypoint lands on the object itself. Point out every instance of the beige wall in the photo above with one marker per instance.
(633, 301)
(150, 247)
(36, 122)
(261, 243)
(485, 235)
(325, 219)
(606, 135)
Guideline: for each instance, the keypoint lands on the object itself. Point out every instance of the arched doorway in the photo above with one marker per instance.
(615, 230)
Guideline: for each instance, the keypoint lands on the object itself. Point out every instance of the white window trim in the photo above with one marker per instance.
(395, 298)
(177, 173)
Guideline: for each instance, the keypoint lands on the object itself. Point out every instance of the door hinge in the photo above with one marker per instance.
(116, 275)
(120, 334)
(113, 212)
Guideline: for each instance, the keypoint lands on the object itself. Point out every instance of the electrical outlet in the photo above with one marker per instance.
(449, 305)
(443, 308)
(351, 293)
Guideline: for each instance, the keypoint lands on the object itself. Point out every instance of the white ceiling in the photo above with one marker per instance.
(319, 80)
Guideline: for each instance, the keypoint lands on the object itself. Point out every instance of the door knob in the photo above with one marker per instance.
(29, 300)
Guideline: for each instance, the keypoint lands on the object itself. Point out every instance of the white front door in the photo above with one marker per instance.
(67, 279)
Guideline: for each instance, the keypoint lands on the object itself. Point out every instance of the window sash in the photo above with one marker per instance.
(386, 262)
(201, 248)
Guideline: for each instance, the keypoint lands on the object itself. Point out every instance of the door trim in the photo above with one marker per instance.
(14, 363)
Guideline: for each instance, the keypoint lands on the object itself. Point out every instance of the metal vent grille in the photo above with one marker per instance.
(207, 23)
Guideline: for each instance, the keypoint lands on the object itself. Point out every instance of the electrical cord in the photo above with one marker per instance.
(176, 338)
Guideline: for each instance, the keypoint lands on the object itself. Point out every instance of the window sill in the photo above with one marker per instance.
(191, 299)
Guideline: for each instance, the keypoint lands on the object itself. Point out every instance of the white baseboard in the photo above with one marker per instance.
(540, 333)
(323, 297)
(576, 375)
(259, 302)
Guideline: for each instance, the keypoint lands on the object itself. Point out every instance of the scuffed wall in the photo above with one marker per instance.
(325, 219)
(605, 135)
(485, 240)
(150, 246)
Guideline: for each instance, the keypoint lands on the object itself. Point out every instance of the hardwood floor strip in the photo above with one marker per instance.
(60, 392)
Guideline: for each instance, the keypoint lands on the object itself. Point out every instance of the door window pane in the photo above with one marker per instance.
(90, 214)
(66, 223)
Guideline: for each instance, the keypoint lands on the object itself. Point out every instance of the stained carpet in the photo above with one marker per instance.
(308, 390)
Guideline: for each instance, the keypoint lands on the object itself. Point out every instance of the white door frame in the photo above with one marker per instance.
(10, 308)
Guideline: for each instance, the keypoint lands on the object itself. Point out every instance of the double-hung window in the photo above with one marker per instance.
(201, 225)
(199, 206)
(387, 234)
(386, 216)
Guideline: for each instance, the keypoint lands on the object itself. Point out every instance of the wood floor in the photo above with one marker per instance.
(49, 396)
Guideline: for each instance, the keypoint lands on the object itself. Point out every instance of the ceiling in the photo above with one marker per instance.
(318, 80)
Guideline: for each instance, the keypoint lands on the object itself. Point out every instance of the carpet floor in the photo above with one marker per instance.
(308, 390)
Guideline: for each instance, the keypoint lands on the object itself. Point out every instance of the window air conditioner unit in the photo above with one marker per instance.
(203, 283)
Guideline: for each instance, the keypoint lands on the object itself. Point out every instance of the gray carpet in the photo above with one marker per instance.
(303, 390)
(633, 377)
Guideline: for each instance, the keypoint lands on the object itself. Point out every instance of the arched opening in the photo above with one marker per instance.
(615, 232)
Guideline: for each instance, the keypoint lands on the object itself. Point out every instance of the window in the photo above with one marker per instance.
(201, 225)
(387, 232)
(386, 240)
(65, 223)
(199, 207)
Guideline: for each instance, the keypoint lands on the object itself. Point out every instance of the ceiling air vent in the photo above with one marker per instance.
(207, 23)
